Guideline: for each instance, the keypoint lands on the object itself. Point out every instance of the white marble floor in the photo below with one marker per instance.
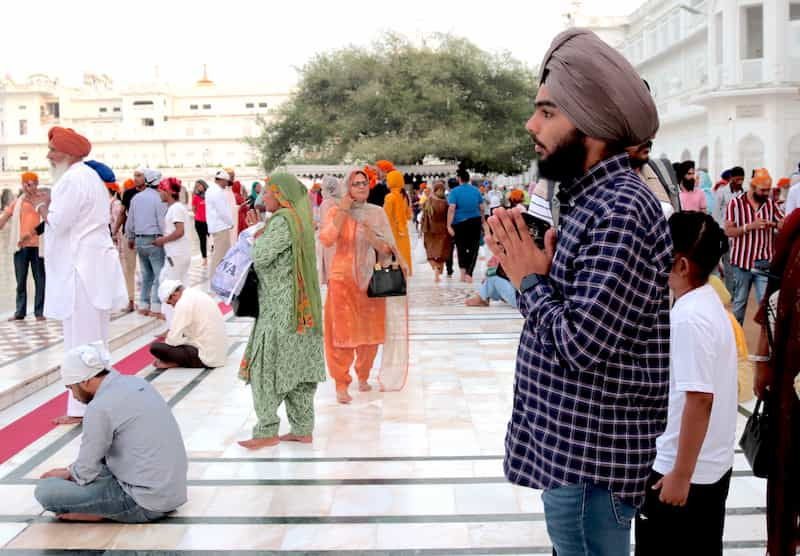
(415, 472)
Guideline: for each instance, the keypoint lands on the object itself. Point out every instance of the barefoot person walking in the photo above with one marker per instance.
(284, 358)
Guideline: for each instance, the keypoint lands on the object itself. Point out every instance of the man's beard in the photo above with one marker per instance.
(57, 170)
(566, 161)
(637, 163)
(760, 199)
(82, 395)
(688, 185)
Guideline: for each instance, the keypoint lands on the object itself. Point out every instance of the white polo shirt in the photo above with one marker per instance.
(702, 359)
(218, 210)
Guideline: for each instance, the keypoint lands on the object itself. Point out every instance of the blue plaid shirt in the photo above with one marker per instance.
(592, 377)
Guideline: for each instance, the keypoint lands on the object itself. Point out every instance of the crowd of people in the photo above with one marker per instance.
(626, 382)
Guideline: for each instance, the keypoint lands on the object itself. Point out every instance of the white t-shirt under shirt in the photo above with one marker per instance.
(180, 247)
(702, 359)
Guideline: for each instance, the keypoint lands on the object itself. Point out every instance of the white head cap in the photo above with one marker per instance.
(222, 175)
(84, 362)
(167, 288)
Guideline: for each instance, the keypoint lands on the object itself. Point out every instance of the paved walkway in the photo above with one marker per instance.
(417, 472)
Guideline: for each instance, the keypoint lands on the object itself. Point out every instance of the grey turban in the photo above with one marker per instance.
(332, 188)
(151, 177)
(598, 89)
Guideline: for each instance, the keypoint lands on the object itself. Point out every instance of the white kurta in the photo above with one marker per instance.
(197, 321)
(85, 276)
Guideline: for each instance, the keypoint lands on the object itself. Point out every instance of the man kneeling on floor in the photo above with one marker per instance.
(132, 463)
(197, 336)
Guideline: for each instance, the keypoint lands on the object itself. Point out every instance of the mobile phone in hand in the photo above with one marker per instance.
(537, 228)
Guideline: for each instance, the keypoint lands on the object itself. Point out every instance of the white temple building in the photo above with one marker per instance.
(155, 124)
(725, 75)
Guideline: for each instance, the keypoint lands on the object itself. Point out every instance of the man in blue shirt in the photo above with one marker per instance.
(464, 222)
(592, 375)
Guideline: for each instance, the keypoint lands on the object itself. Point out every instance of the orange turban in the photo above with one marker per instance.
(30, 176)
(129, 184)
(373, 177)
(67, 141)
(516, 196)
(784, 182)
(113, 186)
(761, 178)
(385, 166)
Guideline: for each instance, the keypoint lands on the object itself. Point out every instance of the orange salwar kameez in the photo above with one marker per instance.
(354, 323)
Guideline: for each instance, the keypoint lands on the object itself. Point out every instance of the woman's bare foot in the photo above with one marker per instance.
(343, 397)
(159, 364)
(437, 277)
(130, 308)
(144, 312)
(80, 517)
(257, 443)
(467, 279)
(364, 387)
(67, 420)
(295, 438)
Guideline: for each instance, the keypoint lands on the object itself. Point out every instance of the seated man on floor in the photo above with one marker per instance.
(496, 287)
(197, 337)
(132, 462)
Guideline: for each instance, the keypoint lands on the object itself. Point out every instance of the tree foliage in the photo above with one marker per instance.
(399, 101)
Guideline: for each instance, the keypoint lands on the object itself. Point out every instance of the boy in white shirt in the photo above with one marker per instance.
(684, 511)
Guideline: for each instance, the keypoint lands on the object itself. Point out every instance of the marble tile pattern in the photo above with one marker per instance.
(411, 472)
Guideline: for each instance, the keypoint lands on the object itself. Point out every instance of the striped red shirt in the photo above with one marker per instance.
(755, 244)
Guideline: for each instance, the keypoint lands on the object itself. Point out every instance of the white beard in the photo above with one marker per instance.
(58, 170)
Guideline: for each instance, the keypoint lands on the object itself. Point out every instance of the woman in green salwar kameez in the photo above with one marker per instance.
(284, 359)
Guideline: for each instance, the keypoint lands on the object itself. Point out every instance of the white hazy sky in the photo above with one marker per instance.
(253, 41)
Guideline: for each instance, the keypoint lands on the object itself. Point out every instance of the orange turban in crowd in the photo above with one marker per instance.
(128, 184)
(373, 177)
(784, 182)
(385, 166)
(30, 176)
(67, 141)
(113, 187)
(761, 178)
(516, 196)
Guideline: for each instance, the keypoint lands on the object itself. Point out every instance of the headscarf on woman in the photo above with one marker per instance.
(332, 192)
(296, 211)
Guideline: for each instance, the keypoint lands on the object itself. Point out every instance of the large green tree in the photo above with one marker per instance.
(400, 101)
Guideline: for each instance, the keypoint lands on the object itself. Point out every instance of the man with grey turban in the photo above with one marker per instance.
(592, 374)
(144, 225)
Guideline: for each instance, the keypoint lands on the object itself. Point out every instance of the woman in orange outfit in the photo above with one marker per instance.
(355, 324)
(399, 212)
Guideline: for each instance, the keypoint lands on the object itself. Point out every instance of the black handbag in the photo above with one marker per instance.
(246, 303)
(387, 281)
(756, 442)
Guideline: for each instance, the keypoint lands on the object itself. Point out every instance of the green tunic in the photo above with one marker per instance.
(282, 365)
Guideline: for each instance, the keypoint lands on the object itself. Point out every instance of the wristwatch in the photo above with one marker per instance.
(529, 281)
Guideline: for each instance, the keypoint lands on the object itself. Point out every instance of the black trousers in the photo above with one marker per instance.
(22, 259)
(468, 239)
(202, 234)
(183, 356)
(696, 528)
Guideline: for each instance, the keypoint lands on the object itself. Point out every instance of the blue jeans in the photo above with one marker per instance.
(744, 281)
(151, 261)
(103, 496)
(586, 520)
(496, 288)
(22, 259)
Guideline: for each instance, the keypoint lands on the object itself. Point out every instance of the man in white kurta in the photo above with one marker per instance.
(86, 280)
